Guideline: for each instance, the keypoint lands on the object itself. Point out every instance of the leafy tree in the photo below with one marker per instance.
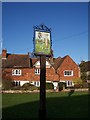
(82, 67)
(7, 84)
(83, 70)
(84, 76)
(88, 77)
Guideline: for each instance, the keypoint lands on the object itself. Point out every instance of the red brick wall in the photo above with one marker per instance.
(51, 75)
(68, 64)
(29, 74)
(6, 73)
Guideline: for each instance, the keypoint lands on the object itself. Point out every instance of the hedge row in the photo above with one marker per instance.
(8, 85)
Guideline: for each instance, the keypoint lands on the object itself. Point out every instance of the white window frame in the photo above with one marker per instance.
(37, 71)
(17, 83)
(37, 83)
(69, 83)
(71, 71)
(16, 72)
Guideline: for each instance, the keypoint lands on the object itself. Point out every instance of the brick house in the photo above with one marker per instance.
(21, 68)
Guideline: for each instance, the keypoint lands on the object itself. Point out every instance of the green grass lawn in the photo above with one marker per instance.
(58, 104)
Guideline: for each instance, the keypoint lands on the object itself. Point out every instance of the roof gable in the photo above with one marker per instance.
(59, 61)
(37, 64)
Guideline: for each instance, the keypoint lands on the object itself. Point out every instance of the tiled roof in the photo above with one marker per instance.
(24, 61)
(34, 60)
(16, 60)
(58, 61)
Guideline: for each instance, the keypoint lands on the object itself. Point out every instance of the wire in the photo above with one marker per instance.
(78, 34)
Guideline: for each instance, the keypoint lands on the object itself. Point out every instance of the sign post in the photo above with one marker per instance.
(42, 48)
(42, 110)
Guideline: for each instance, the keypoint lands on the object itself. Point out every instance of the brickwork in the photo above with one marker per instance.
(54, 73)
(68, 64)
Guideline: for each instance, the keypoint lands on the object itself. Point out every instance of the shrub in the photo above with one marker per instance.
(77, 81)
(49, 86)
(85, 84)
(7, 84)
(78, 86)
(16, 88)
(88, 77)
(32, 87)
(28, 86)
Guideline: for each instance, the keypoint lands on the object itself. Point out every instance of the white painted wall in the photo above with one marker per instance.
(37, 64)
(22, 82)
(55, 85)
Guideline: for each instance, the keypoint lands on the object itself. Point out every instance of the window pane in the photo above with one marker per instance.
(37, 71)
(68, 73)
(16, 72)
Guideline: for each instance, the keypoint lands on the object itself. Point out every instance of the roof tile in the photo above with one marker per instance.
(16, 60)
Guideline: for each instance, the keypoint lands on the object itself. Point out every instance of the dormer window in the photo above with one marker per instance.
(16, 72)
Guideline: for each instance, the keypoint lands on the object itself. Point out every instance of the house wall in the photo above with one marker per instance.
(68, 64)
(28, 74)
(51, 75)
(6, 73)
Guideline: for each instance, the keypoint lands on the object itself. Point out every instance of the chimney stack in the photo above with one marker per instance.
(4, 53)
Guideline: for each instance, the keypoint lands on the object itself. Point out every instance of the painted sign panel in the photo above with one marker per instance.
(42, 43)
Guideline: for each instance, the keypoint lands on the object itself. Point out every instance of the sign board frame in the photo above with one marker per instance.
(42, 41)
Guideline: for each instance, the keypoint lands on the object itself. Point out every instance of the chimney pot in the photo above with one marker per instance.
(4, 53)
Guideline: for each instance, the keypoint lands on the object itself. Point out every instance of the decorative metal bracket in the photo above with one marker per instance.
(42, 27)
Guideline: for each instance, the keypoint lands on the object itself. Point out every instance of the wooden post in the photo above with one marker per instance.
(42, 111)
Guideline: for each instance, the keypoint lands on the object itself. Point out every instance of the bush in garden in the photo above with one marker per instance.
(17, 88)
(78, 86)
(49, 86)
(32, 87)
(28, 86)
(77, 81)
(7, 84)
